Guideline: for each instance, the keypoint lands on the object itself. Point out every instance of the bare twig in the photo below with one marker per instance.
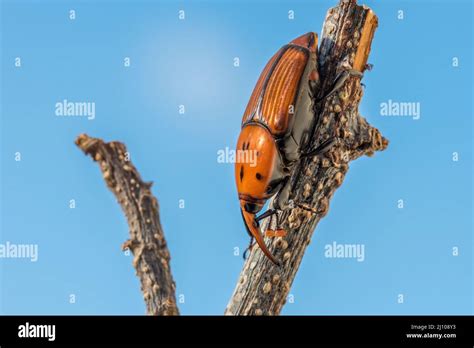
(147, 241)
(348, 30)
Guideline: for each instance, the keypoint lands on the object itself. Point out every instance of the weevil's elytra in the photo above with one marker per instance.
(275, 92)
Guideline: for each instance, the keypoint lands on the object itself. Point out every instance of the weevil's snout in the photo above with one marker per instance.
(254, 230)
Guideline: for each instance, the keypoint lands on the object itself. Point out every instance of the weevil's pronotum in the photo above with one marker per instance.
(277, 126)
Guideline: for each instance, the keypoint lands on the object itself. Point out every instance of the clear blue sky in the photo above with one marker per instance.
(408, 251)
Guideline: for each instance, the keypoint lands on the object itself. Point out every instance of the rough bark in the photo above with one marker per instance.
(262, 287)
(147, 242)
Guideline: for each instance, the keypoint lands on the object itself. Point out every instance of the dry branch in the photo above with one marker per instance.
(147, 242)
(347, 35)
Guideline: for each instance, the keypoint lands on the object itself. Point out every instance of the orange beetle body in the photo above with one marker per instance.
(276, 127)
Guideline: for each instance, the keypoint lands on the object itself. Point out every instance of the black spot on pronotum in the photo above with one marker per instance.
(258, 176)
(241, 173)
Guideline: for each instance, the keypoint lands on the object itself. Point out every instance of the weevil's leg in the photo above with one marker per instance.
(304, 207)
(279, 232)
(268, 213)
(321, 149)
(269, 232)
(340, 80)
(279, 203)
(281, 200)
(249, 248)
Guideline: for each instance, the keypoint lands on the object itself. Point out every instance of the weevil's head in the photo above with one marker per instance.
(308, 40)
(254, 165)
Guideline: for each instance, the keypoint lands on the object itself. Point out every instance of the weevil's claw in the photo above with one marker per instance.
(248, 249)
(269, 233)
(280, 232)
(246, 253)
